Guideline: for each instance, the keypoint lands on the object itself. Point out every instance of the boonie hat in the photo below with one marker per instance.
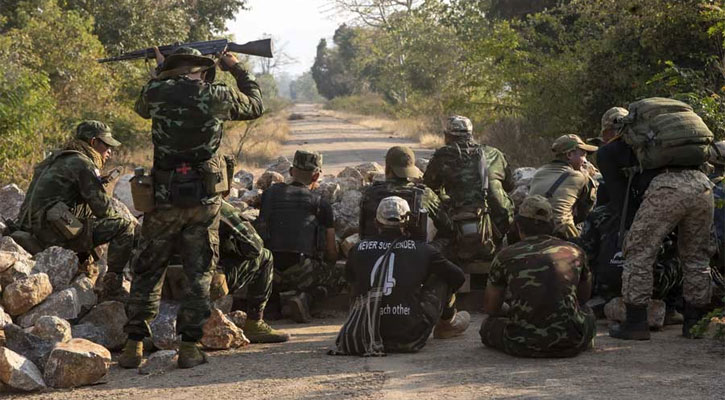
(612, 116)
(536, 207)
(90, 129)
(392, 211)
(401, 161)
(184, 60)
(459, 125)
(570, 142)
(307, 160)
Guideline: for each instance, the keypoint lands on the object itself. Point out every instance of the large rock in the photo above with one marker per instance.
(616, 310)
(347, 213)
(60, 264)
(25, 293)
(122, 192)
(352, 174)
(109, 317)
(86, 295)
(159, 362)
(18, 372)
(238, 317)
(64, 304)
(369, 170)
(76, 363)
(11, 198)
(15, 263)
(268, 179)
(5, 318)
(30, 345)
(253, 197)
(8, 244)
(220, 333)
(53, 329)
(243, 180)
(281, 165)
(522, 176)
(163, 327)
(330, 190)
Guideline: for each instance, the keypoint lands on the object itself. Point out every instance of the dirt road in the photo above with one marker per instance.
(667, 367)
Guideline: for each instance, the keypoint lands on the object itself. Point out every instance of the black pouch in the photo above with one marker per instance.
(187, 190)
(231, 163)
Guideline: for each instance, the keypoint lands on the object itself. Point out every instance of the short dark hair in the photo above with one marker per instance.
(533, 227)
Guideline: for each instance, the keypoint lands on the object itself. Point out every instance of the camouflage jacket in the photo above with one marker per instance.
(540, 275)
(238, 240)
(188, 115)
(70, 177)
(453, 172)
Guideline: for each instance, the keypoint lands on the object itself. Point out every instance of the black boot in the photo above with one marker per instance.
(635, 327)
(692, 316)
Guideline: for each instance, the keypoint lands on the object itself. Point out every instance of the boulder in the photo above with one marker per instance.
(89, 332)
(281, 165)
(86, 295)
(422, 164)
(268, 179)
(122, 192)
(18, 372)
(5, 318)
(11, 198)
(163, 327)
(615, 310)
(253, 197)
(64, 304)
(522, 176)
(243, 179)
(109, 317)
(60, 264)
(329, 190)
(8, 244)
(238, 317)
(369, 170)
(30, 345)
(77, 362)
(25, 293)
(220, 333)
(159, 362)
(53, 329)
(352, 174)
(347, 213)
(224, 304)
(15, 263)
(348, 244)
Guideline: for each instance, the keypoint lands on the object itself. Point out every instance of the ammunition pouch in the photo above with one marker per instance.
(188, 186)
(63, 222)
(231, 162)
(474, 233)
(213, 173)
(142, 192)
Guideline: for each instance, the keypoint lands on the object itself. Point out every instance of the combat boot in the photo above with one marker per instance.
(190, 355)
(635, 327)
(258, 331)
(132, 354)
(453, 327)
(297, 308)
(692, 316)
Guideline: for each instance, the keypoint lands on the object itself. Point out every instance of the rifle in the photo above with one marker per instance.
(261, 48)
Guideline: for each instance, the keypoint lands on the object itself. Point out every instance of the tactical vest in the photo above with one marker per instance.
(289, 223)
(413, 194)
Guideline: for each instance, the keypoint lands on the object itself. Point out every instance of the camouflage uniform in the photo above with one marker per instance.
(244, 260)
(71, 176)
(187, 118)
(540, 275)
(674, 199)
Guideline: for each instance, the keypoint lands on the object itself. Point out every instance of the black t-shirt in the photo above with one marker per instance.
(412, 263)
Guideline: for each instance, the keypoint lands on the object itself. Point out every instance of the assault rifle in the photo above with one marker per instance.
(261, 48)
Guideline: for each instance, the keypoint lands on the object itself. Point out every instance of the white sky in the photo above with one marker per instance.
(297, 24)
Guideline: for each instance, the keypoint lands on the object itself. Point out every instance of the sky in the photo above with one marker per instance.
(298, 25)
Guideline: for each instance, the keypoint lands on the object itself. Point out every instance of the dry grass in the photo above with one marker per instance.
(417, 129)
(522, 149)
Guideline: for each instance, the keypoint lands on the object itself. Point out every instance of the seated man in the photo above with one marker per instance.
(298, 226)
(244, 262)
(419, 291)
(547, 282)
(67, 205)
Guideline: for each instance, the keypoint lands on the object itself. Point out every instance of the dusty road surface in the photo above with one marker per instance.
(341, 143)
(667, 367)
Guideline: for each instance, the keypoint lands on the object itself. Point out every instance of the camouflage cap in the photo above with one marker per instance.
(567, 143)
(307, 161)
(392, 211)
(459, 125)
(401, 161)
(536, 207)
(717, 153)
(612, 116)
(90, 129)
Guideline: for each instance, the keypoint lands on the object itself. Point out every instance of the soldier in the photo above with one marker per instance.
(419, 291)
(67, 205)
(400, 171)
(187, 113)
(475, 179)
(717, 177)
(567, 184)
(547, 282)
(244, 262)
(298, 226)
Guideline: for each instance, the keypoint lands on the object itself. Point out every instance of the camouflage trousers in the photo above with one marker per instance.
(193, 233)
(681, 200)
(256, 275)
(311, 276)
(494, 333)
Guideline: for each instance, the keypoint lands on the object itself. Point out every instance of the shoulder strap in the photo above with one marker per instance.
(549, 193)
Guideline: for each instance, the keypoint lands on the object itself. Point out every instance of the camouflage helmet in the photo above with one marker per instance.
(717, 153)
(185, 60)
(537, 207)
(90, 129)
(459, 125)
(611, 118)
(392, 211)
(307, 161)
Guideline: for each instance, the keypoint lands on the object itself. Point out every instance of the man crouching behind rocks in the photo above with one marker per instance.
(67, 205)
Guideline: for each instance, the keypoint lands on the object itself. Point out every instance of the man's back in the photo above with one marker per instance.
(568, 199)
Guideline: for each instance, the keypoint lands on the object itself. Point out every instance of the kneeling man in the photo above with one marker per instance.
(546, 281)
(419, 289)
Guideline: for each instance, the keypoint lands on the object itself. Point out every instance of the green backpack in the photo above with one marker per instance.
(666, 133)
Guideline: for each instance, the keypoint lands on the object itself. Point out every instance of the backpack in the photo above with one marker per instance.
(666, 133)
(412, 194)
